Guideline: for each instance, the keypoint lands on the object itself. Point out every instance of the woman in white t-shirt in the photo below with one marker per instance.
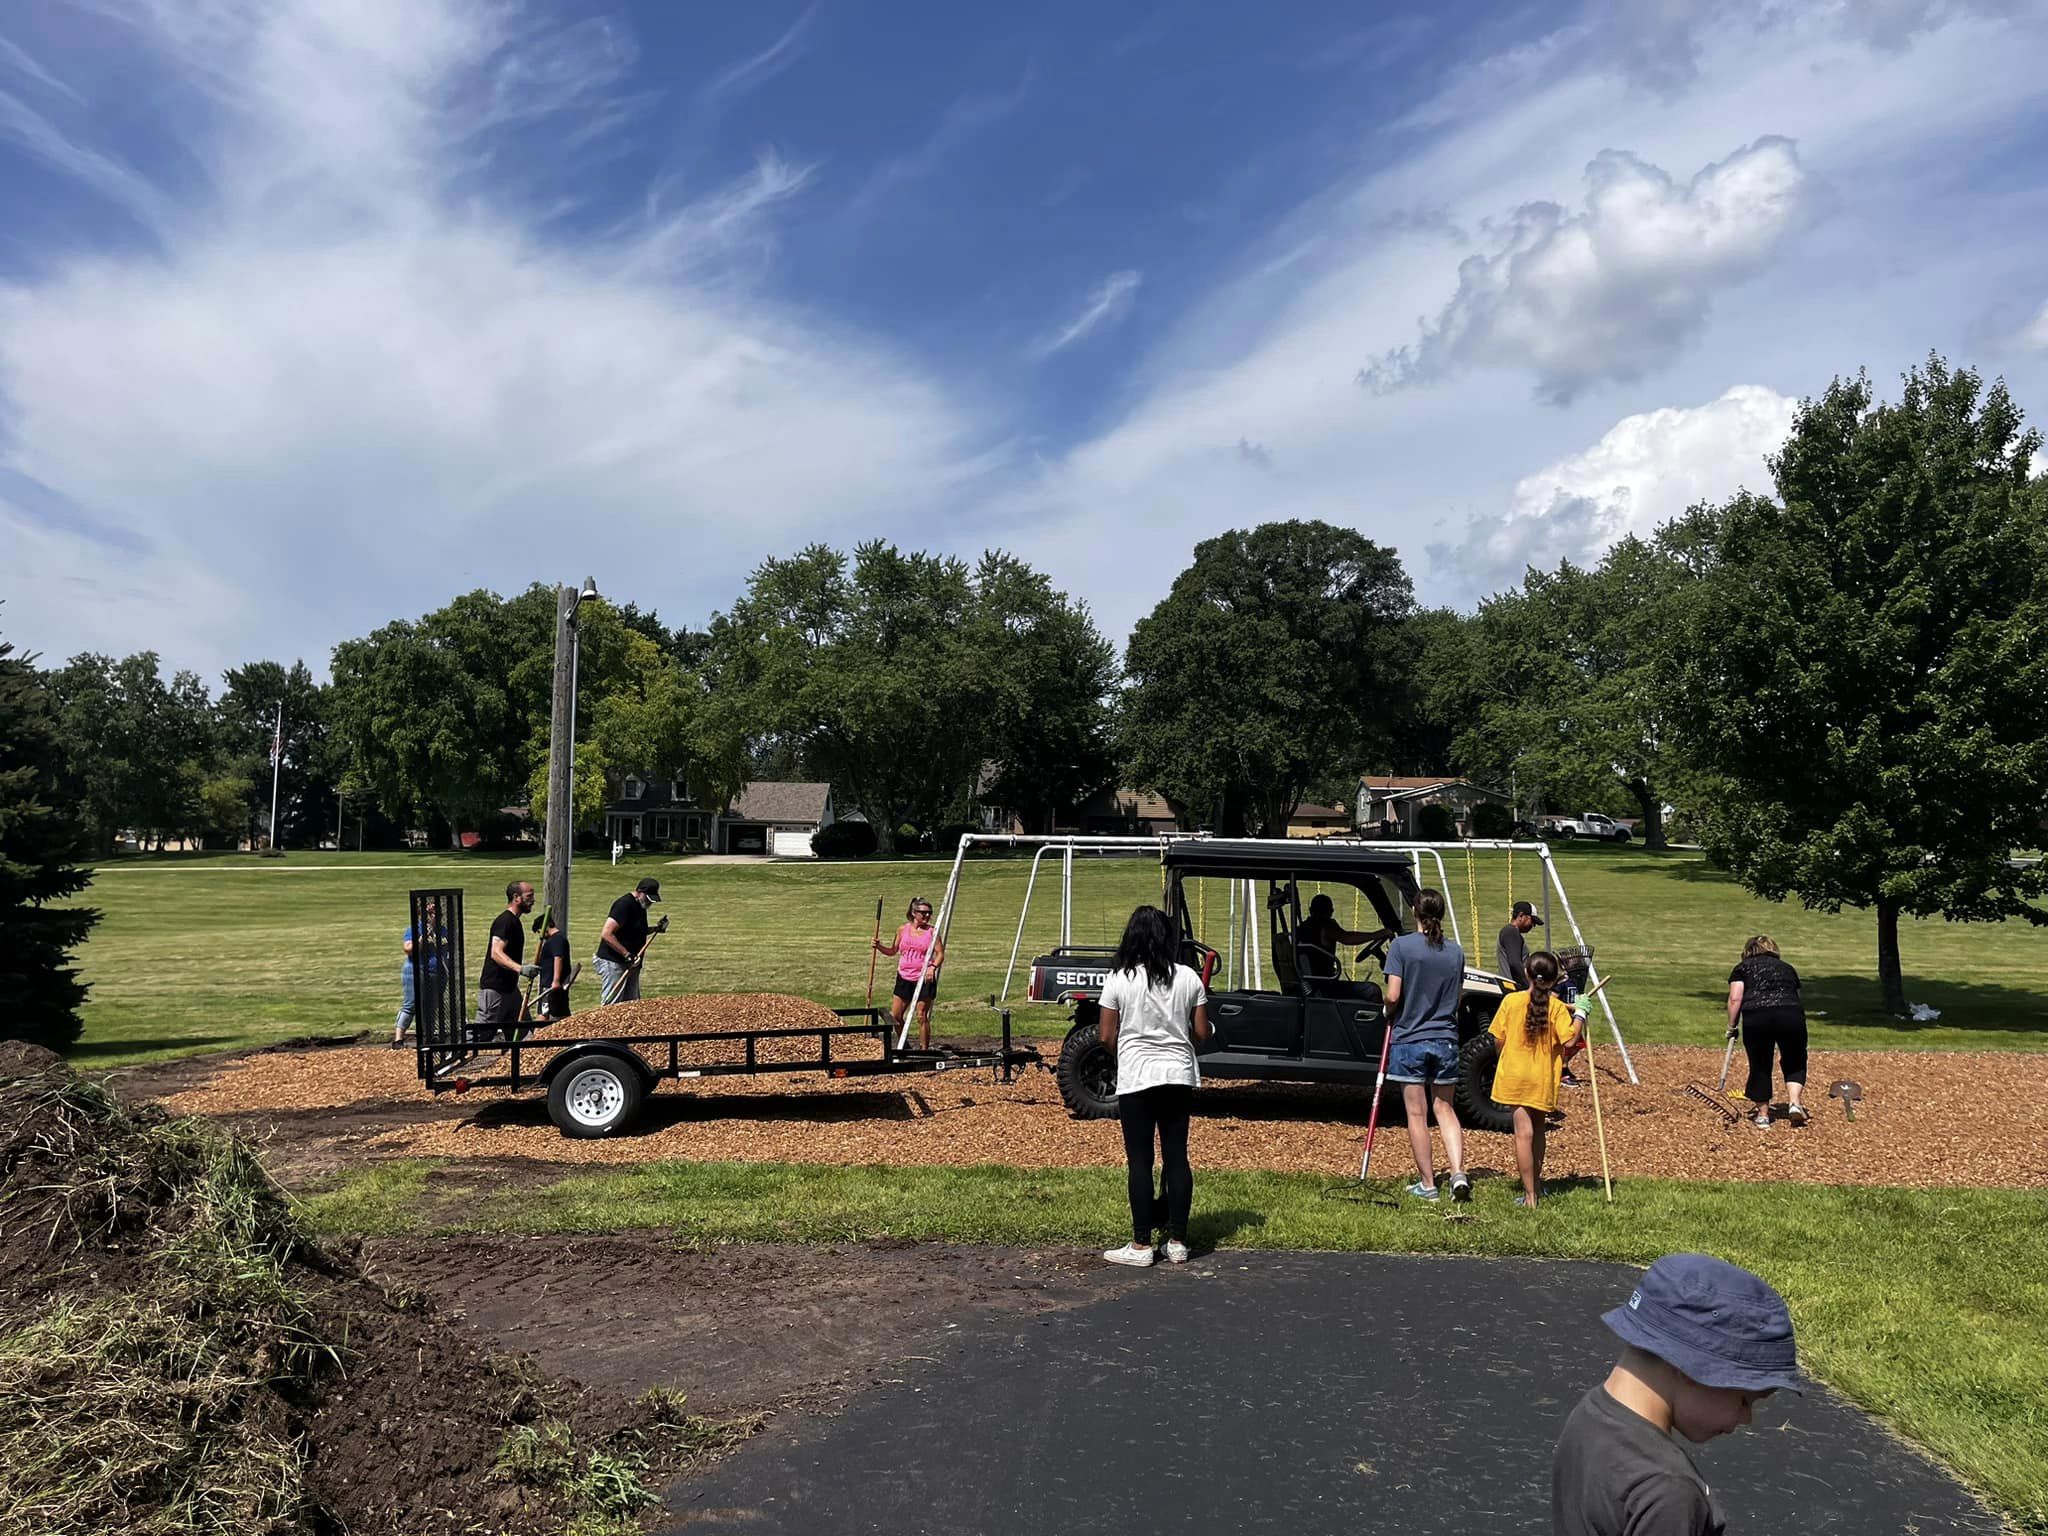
(1153, 1012)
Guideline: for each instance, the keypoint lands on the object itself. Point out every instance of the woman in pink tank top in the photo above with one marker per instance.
(919, 952)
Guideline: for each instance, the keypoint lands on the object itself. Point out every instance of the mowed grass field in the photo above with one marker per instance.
(213, 952)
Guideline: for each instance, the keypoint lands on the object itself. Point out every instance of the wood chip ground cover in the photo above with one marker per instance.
(1929, 1119)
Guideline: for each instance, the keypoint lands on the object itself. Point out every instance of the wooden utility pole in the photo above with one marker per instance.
(561, 823)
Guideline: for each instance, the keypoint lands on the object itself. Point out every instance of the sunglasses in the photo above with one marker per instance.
(920, 911)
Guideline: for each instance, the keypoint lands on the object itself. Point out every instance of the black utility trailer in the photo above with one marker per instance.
(596, 1084)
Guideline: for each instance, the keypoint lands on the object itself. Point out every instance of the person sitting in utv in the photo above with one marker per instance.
(1316, 941)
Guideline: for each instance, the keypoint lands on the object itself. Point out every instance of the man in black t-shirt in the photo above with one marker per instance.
(497, 989)
(619, 945)
(1511, 950)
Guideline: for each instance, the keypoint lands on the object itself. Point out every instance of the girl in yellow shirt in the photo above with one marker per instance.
(1536, 1032)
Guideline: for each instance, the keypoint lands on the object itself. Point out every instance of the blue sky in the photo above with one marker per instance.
(315, 312)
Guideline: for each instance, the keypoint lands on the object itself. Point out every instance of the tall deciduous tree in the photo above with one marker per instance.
(1563, 683)
(1865, 673)
(1280, 657)
(39, 847)
(307, 772)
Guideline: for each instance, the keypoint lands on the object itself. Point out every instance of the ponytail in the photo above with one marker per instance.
(1544, 971)
(1429, 916)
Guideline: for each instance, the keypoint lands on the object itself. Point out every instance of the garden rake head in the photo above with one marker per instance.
(1717, 1104)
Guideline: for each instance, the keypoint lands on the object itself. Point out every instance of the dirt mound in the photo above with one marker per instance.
(177, 1355)
(20, 1058)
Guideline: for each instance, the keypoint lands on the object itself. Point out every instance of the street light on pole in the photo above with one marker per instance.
(561, 823)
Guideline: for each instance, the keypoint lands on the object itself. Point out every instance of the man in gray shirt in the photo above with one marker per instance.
(1511, 953)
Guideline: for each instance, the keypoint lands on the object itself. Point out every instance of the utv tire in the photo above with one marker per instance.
(1476, 1109)
(1087, 1074)
(596, 1095)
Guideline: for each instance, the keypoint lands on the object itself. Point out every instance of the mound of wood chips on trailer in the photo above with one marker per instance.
(1928, 1119)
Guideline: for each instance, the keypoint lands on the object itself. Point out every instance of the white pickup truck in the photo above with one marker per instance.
(1587, 824)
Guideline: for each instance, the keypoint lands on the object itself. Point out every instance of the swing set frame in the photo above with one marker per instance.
(1245, 943)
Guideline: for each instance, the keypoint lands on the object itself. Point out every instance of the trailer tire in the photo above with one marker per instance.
(1087, 1074)
(596, 1095)
(1477, 1110)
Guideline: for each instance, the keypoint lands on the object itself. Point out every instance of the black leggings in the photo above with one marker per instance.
(1764, 1029)
(1165, 1109)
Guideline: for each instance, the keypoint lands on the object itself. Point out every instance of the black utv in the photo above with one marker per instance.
(1299, 1018)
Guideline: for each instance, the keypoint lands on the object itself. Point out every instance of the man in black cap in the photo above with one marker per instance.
(1705, 1342)
(1511, 952)
(619, 946)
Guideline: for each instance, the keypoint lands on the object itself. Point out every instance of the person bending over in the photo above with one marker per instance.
(620, 944)
(1763, 994)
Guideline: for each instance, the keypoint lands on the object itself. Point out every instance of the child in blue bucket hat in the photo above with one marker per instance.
(1704, 1342)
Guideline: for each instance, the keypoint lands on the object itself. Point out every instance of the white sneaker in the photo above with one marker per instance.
(1133, 1254)
(1176, 1252)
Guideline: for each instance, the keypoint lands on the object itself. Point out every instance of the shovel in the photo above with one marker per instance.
(1848, 1092)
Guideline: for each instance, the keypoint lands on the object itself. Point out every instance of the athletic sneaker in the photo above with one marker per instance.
(1422, 1191)
(1461, 1189)
(1131, 1254)
(1176, 1251)
(1796, 1114)
(1568, 1079)
(1523, 1199)
(1762, 1119)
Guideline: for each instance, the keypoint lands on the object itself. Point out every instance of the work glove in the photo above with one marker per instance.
(529, 971)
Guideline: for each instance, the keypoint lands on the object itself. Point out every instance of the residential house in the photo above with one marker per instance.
(1308, 820)
(1124, 812)
(657, 812)
(1389, 805)
(775, 816)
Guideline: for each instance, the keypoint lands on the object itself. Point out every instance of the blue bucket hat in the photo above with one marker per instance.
(1720, 1325)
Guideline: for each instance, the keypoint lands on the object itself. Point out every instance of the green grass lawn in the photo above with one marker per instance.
(1928, 1308)
(214, 951)
(224, 951)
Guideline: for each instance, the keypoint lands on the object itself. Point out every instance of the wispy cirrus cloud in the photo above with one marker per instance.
(1108, 302)
(365, 368)
(750, 73)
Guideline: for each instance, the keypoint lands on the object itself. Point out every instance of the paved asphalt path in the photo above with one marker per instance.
(1299, 1393)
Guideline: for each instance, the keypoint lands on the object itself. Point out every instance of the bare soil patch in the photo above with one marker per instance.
(1929, 1119)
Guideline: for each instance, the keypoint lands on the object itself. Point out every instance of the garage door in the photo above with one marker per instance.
(792, 845)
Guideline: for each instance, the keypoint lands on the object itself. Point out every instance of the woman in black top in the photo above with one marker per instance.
(1763, 994)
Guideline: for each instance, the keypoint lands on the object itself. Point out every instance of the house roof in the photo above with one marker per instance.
(1308, 812)
(1405, 781)
(781, 800)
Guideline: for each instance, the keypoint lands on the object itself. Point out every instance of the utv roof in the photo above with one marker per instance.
(1285, 856)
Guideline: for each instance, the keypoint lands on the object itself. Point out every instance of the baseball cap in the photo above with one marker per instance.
(1523, 909)
(651, 886)
(1719, 1324)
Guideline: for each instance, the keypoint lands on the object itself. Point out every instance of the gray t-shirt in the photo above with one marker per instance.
(1512, 953)
(1432, 981)
(1617, 1474)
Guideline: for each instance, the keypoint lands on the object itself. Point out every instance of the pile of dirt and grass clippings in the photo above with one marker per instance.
(177, 1355)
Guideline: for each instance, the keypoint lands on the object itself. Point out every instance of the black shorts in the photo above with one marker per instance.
(905, 987)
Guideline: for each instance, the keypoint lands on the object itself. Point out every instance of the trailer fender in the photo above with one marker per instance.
(623, 1048)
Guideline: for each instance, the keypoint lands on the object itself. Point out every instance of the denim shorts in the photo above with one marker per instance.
(1422, 1061)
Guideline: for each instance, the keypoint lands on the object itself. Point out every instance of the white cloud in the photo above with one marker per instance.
(1645, 471)
(1617, 289)
(1659, 42)
(2033, 336)
(360, 375)
(1107, 303)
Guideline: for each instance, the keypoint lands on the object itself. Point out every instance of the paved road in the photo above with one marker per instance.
(1298, 1393)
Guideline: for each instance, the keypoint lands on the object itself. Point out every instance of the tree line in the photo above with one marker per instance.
(1841, 688)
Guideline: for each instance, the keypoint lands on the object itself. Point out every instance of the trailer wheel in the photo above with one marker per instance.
(1087, 1074)
(1477, 1110)
(595, 1095)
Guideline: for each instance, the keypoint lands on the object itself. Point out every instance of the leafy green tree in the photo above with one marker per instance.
(1270, 665)
(1050, 745)
(1864, 669)
(1561, 685)
(39, 849)
(309, 770)
(901, 678)
(136, 747)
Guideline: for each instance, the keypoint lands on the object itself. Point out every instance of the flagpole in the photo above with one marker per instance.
(276, 762)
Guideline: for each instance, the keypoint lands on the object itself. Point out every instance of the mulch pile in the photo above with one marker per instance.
(1929, 1119)
(360, 1409)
